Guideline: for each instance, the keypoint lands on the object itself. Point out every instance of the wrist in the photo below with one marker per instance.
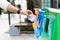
(18, 12)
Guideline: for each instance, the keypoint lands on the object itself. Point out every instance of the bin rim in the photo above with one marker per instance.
(54, 10)
(41, 10)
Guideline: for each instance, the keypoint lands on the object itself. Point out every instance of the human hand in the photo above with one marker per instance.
(26, 12)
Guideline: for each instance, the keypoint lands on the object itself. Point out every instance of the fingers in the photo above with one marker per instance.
(26, 12)
(29, 12)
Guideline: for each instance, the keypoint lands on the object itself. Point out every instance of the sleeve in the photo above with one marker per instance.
(4, 4)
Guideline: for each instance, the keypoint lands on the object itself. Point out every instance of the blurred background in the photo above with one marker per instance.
(9, 18)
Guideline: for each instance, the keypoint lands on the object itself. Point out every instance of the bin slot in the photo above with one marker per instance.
(46, 25)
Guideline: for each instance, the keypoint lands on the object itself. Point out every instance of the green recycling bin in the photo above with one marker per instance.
(54, 23)
(56, 27)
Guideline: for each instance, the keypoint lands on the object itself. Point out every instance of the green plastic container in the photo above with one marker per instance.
(56, 27)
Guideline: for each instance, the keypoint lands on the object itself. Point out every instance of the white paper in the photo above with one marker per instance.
(32, 17)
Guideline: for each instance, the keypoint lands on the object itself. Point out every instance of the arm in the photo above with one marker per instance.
(7, 6)
(15, 9)
(11, 8)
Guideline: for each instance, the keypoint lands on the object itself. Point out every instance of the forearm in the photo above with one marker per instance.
(11, 8)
